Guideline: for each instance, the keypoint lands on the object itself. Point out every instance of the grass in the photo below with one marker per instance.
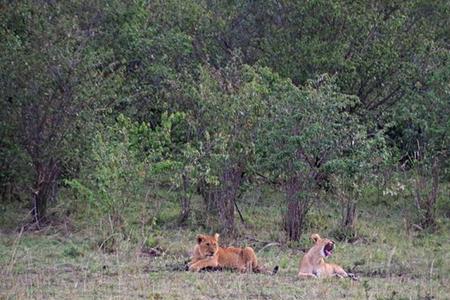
(392, 263)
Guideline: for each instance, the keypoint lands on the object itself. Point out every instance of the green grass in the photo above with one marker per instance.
(391, 261)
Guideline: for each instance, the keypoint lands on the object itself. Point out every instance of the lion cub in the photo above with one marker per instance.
(207, 253)
(314, 265)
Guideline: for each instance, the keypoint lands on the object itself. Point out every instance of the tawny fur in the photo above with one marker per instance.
(313, 263)
(207, 253)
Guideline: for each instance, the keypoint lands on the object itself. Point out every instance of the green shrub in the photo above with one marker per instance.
(112, 181)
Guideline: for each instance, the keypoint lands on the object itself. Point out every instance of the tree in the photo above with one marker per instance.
(49, 80)
(226, 113)
(352, 171)
(305, 129)
(423, 131)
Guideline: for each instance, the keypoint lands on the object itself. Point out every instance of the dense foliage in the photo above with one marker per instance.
(114, 102)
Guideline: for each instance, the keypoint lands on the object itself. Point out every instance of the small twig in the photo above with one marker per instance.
(107, 239)
(269, 245)
(239, 211)
(390, 259)
(418, 227)
(267, 179)
(431, 269)
(13, 256)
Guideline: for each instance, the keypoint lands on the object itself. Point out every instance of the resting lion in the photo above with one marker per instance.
(207, 253)
(314, 265)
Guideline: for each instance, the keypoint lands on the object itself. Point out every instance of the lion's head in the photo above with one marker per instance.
(208, 245)
(325, 246)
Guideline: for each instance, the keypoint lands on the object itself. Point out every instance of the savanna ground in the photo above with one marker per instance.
(64, 260)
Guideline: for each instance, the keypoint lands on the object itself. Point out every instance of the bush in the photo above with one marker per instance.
(110, 183)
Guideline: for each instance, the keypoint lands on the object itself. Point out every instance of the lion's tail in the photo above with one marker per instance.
(352, 276)
(264, 270)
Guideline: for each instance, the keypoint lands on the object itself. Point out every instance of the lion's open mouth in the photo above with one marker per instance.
(328, 249)
(211, 254)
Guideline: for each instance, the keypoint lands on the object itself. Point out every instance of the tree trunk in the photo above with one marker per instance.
(44, 188)
(349, 214)
(231, 183)
(429, 218)
(297, 207)
(426, 204)
(226, 216)
(208, 193)
(293, 220)
(221, 199)
(185, 202)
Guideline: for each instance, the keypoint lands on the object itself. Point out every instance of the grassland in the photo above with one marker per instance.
(392, 262)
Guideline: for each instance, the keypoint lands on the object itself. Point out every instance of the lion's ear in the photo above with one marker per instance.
(216, 236)
(315, 237)
(200, 238)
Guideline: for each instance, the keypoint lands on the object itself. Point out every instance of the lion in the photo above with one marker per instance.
(208, 254)
(314, 265)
